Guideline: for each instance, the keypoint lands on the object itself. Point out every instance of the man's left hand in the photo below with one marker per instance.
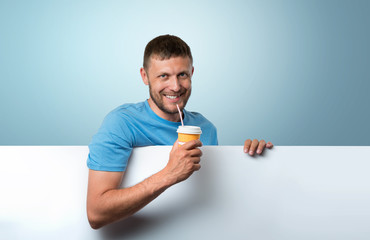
(256, 146)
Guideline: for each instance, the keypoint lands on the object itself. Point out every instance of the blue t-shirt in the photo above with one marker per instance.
(136, 125)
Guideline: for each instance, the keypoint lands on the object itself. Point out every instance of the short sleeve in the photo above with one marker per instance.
(111, 146)
(213, 139)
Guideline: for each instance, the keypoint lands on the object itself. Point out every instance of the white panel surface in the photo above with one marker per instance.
(288, 193)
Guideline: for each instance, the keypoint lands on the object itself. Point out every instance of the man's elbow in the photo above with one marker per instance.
(95, 225)
(94, 220)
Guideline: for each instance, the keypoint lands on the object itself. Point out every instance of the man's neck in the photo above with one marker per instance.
(175, 117)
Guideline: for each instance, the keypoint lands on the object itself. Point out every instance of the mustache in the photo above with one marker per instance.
(173, 93)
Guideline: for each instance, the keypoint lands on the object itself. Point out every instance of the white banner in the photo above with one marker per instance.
(288, 193)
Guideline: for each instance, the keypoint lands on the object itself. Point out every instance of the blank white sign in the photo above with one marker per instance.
(288, 193)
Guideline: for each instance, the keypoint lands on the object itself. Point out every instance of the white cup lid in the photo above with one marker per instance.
(189, 130)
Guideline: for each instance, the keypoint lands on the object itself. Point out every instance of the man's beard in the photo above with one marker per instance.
(158, 101)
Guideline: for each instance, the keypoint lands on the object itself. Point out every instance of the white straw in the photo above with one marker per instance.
(182, 123)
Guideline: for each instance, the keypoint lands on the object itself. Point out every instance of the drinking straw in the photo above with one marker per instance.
(182, 123)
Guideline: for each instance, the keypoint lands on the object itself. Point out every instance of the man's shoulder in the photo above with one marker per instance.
(129, 108)
(195, 115)
(125, 114)
(198, 118)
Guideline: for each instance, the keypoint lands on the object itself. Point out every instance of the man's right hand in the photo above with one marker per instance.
(184, 160)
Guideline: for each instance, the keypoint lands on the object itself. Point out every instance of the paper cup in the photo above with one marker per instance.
(188, 133)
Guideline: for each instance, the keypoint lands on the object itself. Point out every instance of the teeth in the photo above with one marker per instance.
(171, 97)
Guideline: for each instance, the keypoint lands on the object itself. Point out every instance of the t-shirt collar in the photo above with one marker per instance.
(155, 116)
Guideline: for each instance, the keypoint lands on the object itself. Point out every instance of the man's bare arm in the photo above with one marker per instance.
(107, 203)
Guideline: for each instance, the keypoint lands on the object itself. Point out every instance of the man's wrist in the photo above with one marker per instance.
(159, 182)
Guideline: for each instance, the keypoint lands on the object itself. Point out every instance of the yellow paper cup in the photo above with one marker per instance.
(188, 133)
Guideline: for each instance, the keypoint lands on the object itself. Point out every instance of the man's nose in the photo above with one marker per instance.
(174, 84)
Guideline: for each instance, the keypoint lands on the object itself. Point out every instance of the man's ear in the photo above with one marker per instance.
(144, 76)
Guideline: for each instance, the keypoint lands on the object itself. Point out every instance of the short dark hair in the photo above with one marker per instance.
(165, 47)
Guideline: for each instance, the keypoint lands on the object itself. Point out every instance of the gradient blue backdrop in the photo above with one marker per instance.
(292, 72)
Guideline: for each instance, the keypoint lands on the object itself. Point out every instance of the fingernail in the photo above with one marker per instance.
(246, 150)
(258, 151)
(251, 152)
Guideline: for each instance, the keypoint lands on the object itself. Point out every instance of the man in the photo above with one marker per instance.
(167, 70)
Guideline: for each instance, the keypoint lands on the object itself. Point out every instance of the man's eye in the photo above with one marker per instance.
(182, 75)
(163, 76)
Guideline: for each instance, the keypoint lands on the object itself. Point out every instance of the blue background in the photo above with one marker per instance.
(292, 72)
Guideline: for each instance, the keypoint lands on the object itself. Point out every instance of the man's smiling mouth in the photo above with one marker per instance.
(172, 96)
